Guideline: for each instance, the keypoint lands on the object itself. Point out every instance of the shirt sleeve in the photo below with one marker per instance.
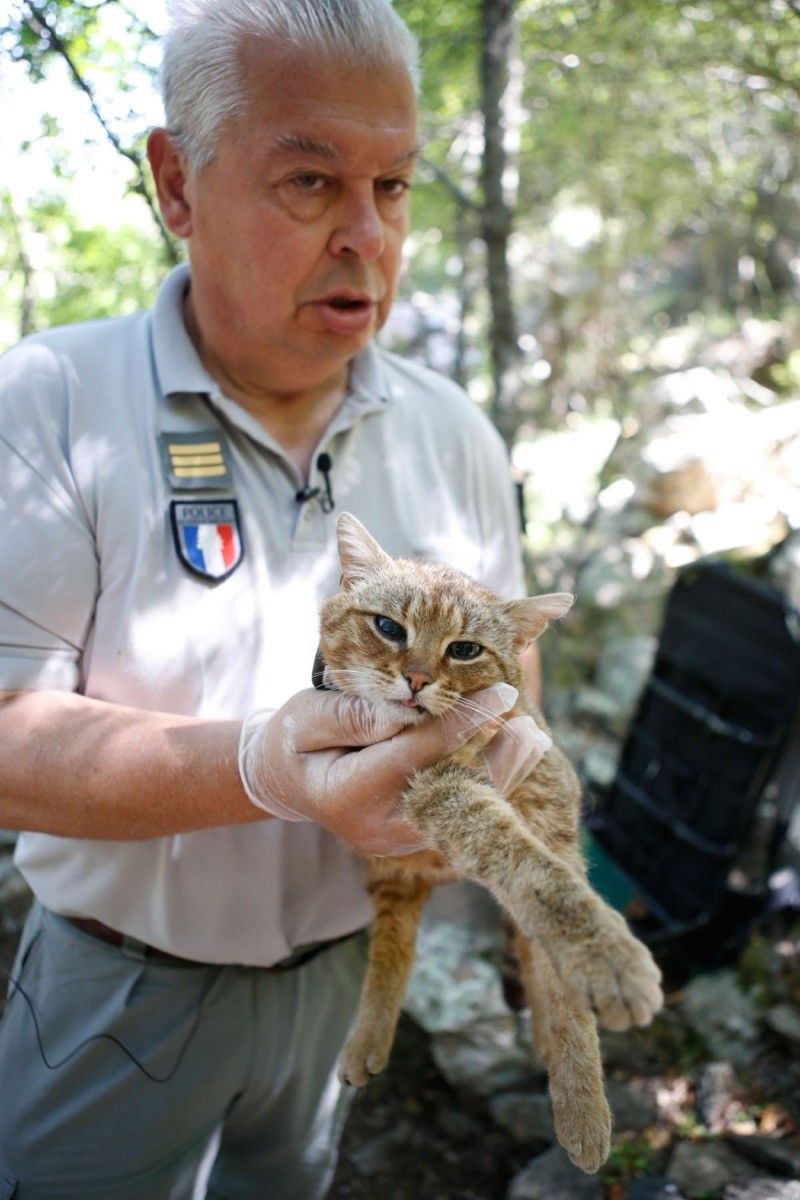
(48, 562)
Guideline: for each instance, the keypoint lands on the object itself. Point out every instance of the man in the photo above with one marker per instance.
(192, 961)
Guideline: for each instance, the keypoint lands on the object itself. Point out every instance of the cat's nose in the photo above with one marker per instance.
(417, 680)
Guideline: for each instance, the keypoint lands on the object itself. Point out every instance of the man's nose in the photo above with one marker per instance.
(416, 680)
(359, 230)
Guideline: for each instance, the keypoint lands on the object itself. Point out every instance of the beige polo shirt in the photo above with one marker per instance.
(127, 574)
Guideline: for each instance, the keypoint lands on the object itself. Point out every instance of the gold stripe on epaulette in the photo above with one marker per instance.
(195, 461)
(192, 472)
(192, 448)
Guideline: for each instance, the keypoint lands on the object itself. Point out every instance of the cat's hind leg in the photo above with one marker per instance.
(565, 1036)
(397, 905)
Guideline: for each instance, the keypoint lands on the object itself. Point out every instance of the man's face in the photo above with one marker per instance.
(296, 227)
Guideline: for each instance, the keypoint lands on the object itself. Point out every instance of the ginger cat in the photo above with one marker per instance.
(416, 636)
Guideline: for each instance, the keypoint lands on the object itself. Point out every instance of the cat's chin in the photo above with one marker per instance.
(409, 714)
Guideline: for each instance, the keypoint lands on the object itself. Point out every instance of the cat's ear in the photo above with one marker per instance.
(359, 553)
(530, 617)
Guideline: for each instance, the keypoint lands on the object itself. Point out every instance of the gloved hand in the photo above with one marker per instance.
(334, 760)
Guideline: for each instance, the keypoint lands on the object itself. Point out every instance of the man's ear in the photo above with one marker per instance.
(530, 617)
(359, 553)
(170, 173)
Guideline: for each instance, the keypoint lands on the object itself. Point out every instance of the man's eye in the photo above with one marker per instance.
(390, 629)
(464, 650)
(393, 188)
(308, 182)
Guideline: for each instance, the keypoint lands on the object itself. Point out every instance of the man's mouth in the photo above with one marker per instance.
(345, 313)
(347, 302)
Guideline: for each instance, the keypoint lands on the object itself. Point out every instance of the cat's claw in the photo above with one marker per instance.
(613, 974)
(362, 1058)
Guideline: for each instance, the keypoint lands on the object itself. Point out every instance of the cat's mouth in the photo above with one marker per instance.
(413, 708)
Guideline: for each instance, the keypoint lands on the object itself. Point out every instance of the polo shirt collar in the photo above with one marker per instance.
(178, 364)
(180, 370)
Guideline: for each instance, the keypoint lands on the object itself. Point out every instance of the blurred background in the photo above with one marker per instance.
(606, 254)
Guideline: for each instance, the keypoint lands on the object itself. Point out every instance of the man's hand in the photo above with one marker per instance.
(335, 760)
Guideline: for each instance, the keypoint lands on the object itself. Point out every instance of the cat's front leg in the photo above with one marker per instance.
(600, 963)
(565, 1036)
(397, 905)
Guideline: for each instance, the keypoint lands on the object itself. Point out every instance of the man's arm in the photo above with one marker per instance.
(78, 767)
(532, 673)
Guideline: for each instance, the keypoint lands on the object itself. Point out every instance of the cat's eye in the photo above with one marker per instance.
(463, 651)
(390, 629)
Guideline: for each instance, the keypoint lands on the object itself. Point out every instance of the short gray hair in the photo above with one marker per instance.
(201, 77)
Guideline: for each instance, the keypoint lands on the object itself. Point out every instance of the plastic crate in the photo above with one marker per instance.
(711, 725)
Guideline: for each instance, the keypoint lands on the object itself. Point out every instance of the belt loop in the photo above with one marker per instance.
(133, 948)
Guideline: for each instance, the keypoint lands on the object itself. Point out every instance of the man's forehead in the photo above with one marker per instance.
(305, 145)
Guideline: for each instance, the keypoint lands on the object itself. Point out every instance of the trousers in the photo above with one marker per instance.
(125, 1078)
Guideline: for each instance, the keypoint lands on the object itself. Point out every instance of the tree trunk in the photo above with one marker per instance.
(497, 23)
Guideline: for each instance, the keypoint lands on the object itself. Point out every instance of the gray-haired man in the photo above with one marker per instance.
(190, 967)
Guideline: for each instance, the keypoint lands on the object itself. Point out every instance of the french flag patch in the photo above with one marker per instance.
(207, 536)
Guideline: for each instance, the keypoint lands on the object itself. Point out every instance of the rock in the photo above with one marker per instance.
(371, 1157)
(451, 984)
(597, 705)
(705, 1166)
(457, 1125)
(600, 765)
(781, 1155)
(623, 668)
(551, 1176)
(785, 1020)
(762, 1189)
(716, 1089)
(631, 1108)
(487, 1057)
(653, 1187)
(723, 1015)
(526, 1117)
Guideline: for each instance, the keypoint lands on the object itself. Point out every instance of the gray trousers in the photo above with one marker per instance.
(139, 1071)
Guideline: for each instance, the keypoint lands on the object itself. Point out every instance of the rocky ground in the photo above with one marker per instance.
(706, 1101)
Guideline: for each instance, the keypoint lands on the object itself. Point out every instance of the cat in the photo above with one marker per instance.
(415, 636)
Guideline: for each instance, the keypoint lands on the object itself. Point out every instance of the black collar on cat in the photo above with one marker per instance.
(318, 672)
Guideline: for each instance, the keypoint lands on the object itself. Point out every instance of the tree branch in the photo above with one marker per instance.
(39, 24)
(451, 187)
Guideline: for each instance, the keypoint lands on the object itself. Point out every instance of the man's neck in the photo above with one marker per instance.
(295, 419)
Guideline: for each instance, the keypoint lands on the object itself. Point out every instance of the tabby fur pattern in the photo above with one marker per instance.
(387, 636)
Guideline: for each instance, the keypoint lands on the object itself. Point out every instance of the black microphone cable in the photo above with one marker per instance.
(109, 1037)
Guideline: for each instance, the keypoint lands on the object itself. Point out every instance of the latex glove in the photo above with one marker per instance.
(514, 751)
(335, 760)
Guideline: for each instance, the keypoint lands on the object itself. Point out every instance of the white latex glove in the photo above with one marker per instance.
(334, 760)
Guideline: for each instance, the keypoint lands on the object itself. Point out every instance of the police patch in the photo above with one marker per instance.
(207, 536)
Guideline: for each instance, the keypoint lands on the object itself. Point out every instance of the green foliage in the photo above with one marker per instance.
(627, 1160)
(654, 174)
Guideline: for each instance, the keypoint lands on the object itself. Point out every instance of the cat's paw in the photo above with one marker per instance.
(366, 1053)
(611, 973)
(582, 1121)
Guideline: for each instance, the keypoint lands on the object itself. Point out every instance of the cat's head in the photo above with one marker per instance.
(416, 636)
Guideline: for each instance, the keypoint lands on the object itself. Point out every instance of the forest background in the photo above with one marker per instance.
(596, 174)
(606, 254)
